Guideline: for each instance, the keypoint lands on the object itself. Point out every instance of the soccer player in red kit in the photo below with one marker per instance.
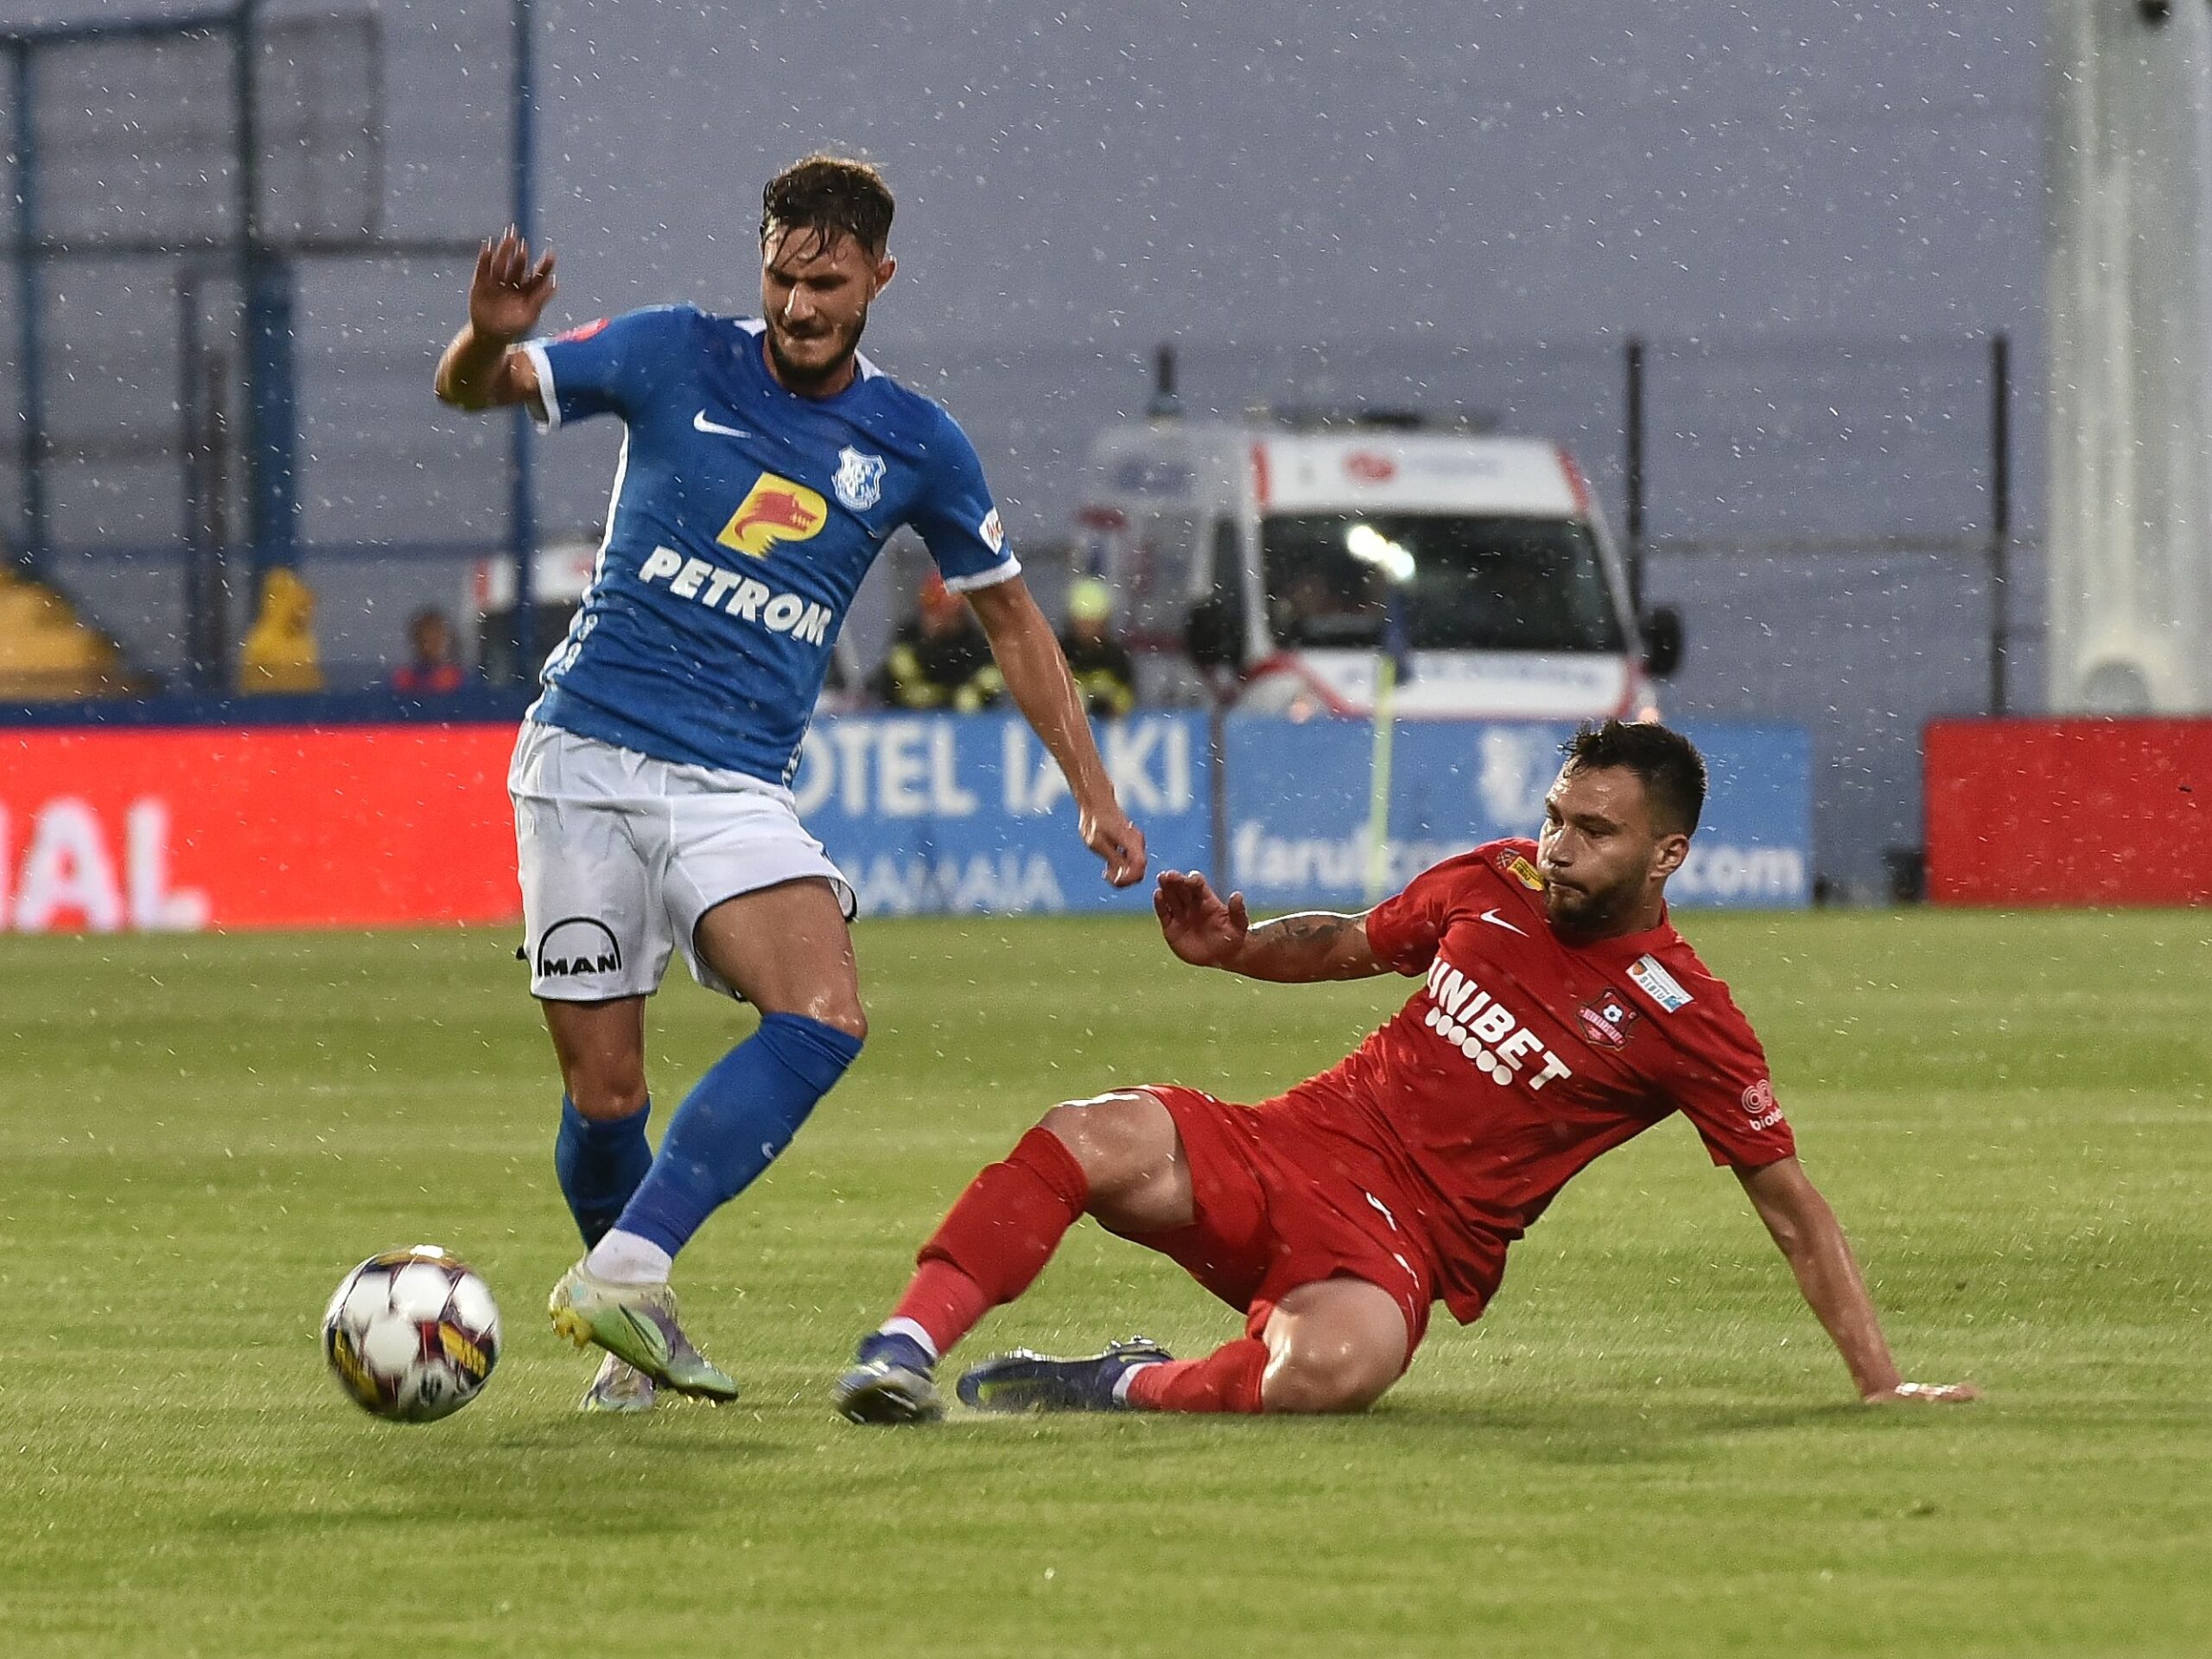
(1560, 1014)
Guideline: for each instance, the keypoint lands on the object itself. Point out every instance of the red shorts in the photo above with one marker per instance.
(1277, 1210)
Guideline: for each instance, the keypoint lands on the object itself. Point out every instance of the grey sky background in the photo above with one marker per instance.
(1318, 200)
(1077, 183)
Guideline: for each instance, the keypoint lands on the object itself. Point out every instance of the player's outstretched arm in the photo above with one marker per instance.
(1211, 932)
(1028, 654)
(481, 369)
(1813, 1242)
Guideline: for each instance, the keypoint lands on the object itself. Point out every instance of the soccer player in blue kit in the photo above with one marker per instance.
(765, 462)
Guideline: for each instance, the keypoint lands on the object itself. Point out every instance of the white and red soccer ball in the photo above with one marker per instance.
(412, 1335)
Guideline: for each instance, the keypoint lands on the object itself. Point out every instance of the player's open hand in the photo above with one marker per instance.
(1925, 1394)
(1109, 832)
(1200, 925)
(508, 292)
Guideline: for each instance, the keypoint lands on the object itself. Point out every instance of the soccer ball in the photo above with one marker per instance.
(412, 1335)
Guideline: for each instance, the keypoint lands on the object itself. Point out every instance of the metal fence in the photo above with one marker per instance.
(237, 231)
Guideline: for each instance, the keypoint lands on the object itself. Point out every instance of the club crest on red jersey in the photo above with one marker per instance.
(1606, 1019)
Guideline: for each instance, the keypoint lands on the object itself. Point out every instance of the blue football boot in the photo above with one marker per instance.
(1022, 1381)
(892, 1380)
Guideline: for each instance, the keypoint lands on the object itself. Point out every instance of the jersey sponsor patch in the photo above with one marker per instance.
(584, 330)
(1606, 1019)
(1759, 1104)
(578, 944)
(1522, 871)
(1658, 984)
(774, 509)
(859, 482)
(1481, 1028)
(992, 531)
(739, 596)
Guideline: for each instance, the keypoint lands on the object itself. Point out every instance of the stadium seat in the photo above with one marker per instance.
(45, 652)
(280, 653)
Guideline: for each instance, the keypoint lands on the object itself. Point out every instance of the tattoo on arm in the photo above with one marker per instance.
(1312, 945)
(1308, 927)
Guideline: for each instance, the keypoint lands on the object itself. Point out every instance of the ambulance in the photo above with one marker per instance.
(1291, 560)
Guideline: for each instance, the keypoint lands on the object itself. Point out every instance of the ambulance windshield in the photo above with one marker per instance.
(1469, 583)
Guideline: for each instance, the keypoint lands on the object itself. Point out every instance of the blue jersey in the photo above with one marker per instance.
(744, 518)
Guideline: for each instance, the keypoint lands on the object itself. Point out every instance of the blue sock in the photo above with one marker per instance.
(733, 1122)
(600, 1165)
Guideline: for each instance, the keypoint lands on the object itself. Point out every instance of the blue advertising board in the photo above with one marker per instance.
(935, 814)
(938, 814)
(1299, 794)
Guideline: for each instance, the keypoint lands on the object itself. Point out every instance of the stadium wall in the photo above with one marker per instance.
(395, 822)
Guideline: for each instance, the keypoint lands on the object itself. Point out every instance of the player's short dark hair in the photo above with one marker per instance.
(830, 195)
(1672, 770)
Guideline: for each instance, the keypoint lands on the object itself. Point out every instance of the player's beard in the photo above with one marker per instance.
(799, 378)
(1592, 914)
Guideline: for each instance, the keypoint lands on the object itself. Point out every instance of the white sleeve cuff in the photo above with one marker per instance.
(535, 352)
(990, 578)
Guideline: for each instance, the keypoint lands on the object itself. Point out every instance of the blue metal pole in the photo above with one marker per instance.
(522, 516)
(266, 283)
(274, 435)
(247, 154)
(30, 301)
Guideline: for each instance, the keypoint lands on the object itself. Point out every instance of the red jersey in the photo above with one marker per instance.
(1522, 1059)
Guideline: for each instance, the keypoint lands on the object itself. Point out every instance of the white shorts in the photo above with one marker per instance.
(620, 855)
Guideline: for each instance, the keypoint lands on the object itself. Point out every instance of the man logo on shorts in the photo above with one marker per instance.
(578, 945)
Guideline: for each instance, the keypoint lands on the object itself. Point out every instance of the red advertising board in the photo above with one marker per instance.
(353, 826)
(2070, 811)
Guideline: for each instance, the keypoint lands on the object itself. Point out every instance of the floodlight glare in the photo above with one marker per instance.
(1371, 546)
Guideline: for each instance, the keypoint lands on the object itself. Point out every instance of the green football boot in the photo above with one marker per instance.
(637, 1324)
(618, 1390)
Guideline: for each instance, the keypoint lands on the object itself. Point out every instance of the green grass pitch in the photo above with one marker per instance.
(1646, 1448)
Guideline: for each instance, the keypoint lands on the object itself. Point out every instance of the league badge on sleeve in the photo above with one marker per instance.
(859, 482)
(1658, 984)
(1520, 870)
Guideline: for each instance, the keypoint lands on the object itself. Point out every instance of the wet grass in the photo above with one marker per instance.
(1647, 1448)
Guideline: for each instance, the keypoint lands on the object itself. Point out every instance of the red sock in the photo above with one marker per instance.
(944, 1301)
(997, 1238)
(1226, 1379)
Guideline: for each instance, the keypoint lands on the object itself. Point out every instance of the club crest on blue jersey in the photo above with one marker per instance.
(859, 482)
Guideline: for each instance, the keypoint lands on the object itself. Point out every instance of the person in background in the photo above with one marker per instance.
(431, 670)
(280, 653)
(938, 657)
(1103, 672)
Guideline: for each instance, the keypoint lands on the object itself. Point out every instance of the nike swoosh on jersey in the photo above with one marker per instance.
(701, 423)
(1496, 920)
